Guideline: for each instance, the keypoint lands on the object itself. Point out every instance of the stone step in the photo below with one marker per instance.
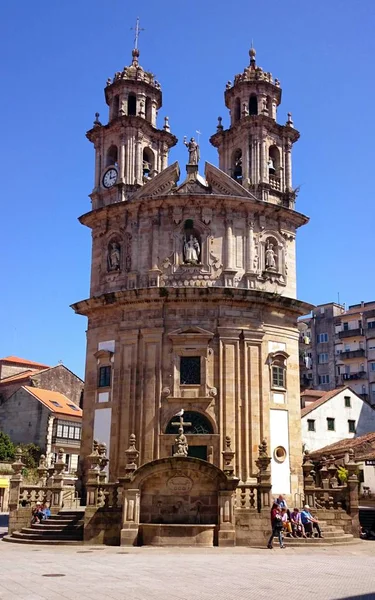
(56, 526)
(60, 522)
(31, 535)
(13, 540)
(345, 538)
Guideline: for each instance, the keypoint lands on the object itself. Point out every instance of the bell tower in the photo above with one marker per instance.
(256, 150)
(130, 149)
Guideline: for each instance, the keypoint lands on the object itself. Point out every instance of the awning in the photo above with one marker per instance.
(4, 483)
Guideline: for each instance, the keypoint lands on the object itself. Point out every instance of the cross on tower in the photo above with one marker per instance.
(137, 30)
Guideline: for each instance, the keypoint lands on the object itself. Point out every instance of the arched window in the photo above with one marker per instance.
(253, 105)
(115, 106)
(148, 109)
(237, 110)
(148, 162)
(278, 370)
(237, 165)
(132, 105)
(111, 156)
(199, 424)
(273, 160)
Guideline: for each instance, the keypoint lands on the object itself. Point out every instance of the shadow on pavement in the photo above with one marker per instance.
(359, 597)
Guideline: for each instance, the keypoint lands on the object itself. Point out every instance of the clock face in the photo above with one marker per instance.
(110, 178)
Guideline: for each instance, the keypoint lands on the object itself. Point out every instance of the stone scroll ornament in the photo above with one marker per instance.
(114, 256)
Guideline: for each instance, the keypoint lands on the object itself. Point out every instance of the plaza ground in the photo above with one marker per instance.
(112, 573)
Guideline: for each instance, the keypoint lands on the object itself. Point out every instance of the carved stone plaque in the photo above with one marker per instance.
(179, 484)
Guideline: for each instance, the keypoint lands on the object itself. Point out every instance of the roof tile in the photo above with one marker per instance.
(55, 401)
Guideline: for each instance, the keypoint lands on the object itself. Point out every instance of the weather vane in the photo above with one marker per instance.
(137, 30)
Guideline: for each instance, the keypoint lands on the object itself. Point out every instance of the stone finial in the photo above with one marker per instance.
(132, 455)
(97, 123)
(102, 452)
(94, 458)
(228, 456)
(228, 85)
(252, 54)
(18, 465)
(166, 124)
(245, 110)
(263, 449)
(289, 121)
(220, 124)
(109, 81)
(135, 56)
(60, 464)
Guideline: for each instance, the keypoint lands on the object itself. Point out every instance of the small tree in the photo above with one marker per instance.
(7, 447)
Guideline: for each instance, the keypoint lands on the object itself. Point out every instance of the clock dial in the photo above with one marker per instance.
(110, 178)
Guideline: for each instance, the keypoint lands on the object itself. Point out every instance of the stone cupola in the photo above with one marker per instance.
(130, 149)
(255, 150)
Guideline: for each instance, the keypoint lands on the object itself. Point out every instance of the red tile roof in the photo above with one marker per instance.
(326, 396)
(55, 401)
(19, 376)
(352, 310)
(16, 360)
(317, 393)
(363, 446)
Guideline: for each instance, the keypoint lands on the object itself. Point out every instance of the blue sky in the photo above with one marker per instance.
(56, 57)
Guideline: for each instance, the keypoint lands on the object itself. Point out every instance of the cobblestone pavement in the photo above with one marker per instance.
(114, 573)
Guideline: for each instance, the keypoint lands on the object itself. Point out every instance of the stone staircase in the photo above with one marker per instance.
(332, 535)
(64, 528)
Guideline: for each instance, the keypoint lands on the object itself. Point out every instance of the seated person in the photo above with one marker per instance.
(37, 514)
(46, 511)
(287, 526)
(297, 527)
(309, 522)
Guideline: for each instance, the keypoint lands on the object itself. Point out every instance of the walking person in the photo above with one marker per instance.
(277, 526)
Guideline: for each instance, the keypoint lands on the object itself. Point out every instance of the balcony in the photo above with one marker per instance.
(351, 354)
(351, 376)
(350, 333)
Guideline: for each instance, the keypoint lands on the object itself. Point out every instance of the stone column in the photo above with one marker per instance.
(15, 490)
(163, 156)
(245, 163)
(153, 112)
(288, 165)
(98, 164)
(351, 466)
(229, 242)
(58, 482)
(147, 415)
(122, 159)
(130, 517)
(250, 245)
(263, 161)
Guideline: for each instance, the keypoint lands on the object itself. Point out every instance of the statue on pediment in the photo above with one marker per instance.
(193, 149)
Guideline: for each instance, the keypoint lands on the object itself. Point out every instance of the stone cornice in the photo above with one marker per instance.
(253, 124)
(219, 295)
(138, 123)
(248, 205)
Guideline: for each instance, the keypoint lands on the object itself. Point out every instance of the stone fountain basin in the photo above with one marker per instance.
(163, 534)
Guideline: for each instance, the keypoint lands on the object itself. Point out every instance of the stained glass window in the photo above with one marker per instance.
(199, 424)
(190, 370)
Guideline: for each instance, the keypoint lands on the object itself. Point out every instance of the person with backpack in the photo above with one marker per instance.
(277, 526)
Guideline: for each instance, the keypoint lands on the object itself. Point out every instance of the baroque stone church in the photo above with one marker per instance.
(193, 286)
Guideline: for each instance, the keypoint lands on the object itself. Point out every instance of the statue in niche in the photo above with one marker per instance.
(114, 257)
(270, 257)
(191, 250)
(193, 149)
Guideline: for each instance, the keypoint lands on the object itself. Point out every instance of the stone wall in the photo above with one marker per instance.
(102, 526)
(60, 379)
(24, 419)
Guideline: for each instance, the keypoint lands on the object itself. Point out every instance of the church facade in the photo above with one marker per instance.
(193, 284)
